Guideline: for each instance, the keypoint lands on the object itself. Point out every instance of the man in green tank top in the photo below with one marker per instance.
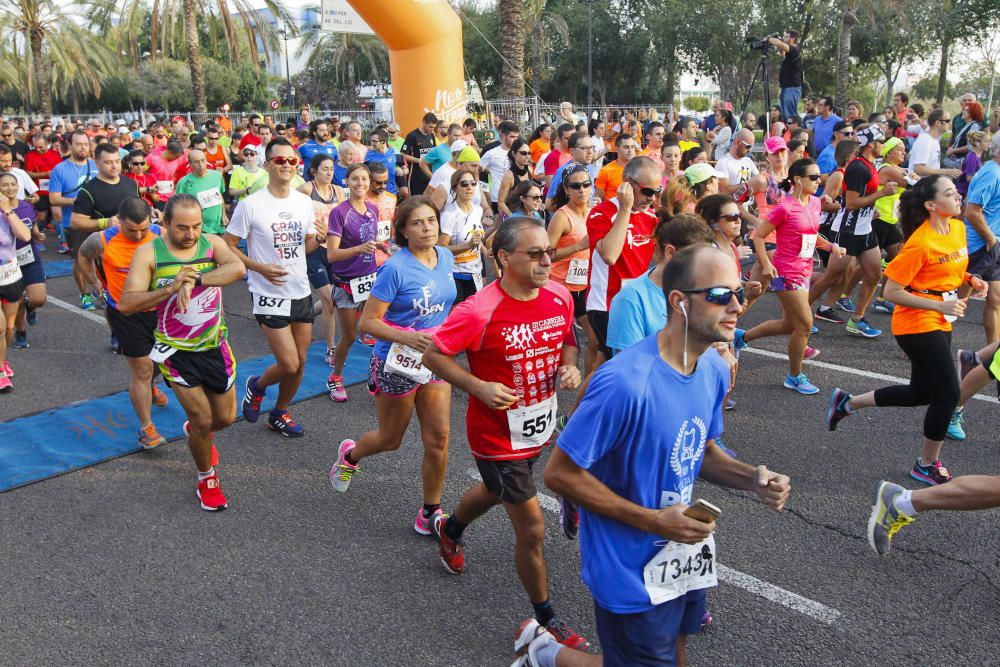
(181, 274)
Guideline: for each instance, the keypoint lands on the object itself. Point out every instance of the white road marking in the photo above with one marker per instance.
(853, 371)
(749, 583)
(76, 310)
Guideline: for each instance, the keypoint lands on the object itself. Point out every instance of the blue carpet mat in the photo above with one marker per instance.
(58, 268)
(89, 432)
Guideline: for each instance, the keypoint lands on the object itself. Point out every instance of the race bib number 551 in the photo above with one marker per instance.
(531, 427)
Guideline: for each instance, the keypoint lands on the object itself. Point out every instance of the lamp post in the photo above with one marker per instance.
(590, 57)
(288, 77)
(142, 85)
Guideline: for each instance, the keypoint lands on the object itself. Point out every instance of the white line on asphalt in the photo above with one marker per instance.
(853, 371)
(76, 310)
(749, 583)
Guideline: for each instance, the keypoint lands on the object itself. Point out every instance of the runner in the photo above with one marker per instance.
(39, 164)
(144, 182)
(497, 161)
(182, 274)
(207, 186)
(108, 255)
(64, 185)
(247, 174)
(568, 235)
(890, 239)
(12, 229)
(418, 143)
(409, 301)
(324, 195)
(462, 233)
(611, 175)
(795, 220)
(218, 156)
(279, 227)
(319, 143)
(518, 338)
(350, 249)
(636, 484)
(96, 206)
(922, 281)
(167, 167)
(621, 245)
(518, 171)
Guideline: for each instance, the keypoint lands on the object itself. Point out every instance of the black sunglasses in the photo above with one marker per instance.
(536, 255)
(138, 164)
(581, 185)
(466, 184)
(720, 296)
(732, 217)
(812, 177)
(647, 192)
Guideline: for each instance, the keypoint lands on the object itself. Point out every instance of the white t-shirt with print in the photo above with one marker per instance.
(926, 150)
(738, 170)
(275, 231)
(460, 227)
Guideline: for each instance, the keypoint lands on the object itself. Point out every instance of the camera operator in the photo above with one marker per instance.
(790, 74)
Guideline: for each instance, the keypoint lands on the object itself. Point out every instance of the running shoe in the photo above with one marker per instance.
(706, 619)
(21, 340)
(810, 353)
(7, 369)
(367, 339)
(424, 524)
(561, 422)
(5, 383)
(739, 340)
(159, 398)
(931, 475)
(211, 438)
(828, 314)
(862, 328)
(846, 304)
(531, 637)
(87, 302)
(210, 494)
(451, 550)
(886, 519)
(116, 345)
(801, 384)
(729, 405)
(63, 248)
(838, 409)
(883, 306)
(956, 427)
(252, 400)
(342, 471)
(335, 385)
(885, 264)
(967, 361)
(722, 446)
(565, 636)
(282, 422)
(331, 356)
(150, 438)
(569, 518)
(814, 330)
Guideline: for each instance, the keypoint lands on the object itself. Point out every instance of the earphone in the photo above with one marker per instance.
(683, 309)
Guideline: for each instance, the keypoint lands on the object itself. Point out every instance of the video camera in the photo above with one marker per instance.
(761, 43)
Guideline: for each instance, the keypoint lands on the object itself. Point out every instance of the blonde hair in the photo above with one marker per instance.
(977, 137)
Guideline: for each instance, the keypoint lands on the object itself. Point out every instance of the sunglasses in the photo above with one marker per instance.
(380, 184)
(720, 296)
(647, 192)
(846, 134)
(378, 141)
(812, 177)
(282, 161)
(747, 144)
(536, 255)
(7, 136)
(138, 164)
(533, 197)
(581, 185)
(731, 217)
(466, 184)
(524, 152)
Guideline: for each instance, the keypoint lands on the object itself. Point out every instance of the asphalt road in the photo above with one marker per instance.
(116, 564)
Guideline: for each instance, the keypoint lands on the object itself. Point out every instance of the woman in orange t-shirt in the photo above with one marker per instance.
(540, 142)
(923, 281)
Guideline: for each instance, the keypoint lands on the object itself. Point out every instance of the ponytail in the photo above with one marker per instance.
(912, 212)
(798, 168)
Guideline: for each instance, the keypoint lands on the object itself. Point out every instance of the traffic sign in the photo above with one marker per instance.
(274, 105)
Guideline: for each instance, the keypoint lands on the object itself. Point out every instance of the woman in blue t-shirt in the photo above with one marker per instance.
(411, 298)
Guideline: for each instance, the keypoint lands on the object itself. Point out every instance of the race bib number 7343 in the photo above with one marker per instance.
(678, 568)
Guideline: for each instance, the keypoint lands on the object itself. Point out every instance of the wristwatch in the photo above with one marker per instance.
(197, 280)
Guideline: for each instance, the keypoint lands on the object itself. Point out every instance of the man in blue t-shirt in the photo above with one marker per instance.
(319, 142)
(65, 182)
(823, 124)
(631, 466)
(982, 225)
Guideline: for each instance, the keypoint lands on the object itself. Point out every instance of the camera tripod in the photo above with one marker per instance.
(761, 73)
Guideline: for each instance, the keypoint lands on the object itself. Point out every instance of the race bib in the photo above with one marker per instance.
(404, 360)
(361, 287)
(25, 255)
(578, 271)
(10, 273)
(384, 230)
(531, 427)
(477, 280)
(164, 187)
(43, 184)
(678, 568)
(864, 223)
(160, 352)
(209, 198)
(270, 305)
(950, 296)
(808, 246)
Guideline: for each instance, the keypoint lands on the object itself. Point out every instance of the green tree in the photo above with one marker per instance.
(351, 58)
(512, 47)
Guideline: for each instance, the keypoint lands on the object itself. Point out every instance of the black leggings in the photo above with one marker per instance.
(933, 381)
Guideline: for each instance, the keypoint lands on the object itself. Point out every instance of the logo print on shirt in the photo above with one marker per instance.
(688, 448)
(636, 240)
(424, 306)
(519, 336)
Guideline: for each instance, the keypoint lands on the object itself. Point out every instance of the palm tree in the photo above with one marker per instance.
(854, 12)
(344, 51)
(544, 27)
(234, 24)
(512, 45)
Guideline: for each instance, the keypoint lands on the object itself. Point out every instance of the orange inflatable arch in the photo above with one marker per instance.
(424, 39)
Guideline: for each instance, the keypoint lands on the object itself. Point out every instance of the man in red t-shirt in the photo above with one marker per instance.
(167, 168)
(252, 138)
(559, 155)
(620, 230)
(517, 334)
(39, 164)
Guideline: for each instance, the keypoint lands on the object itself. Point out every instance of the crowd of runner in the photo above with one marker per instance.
(638, 242)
